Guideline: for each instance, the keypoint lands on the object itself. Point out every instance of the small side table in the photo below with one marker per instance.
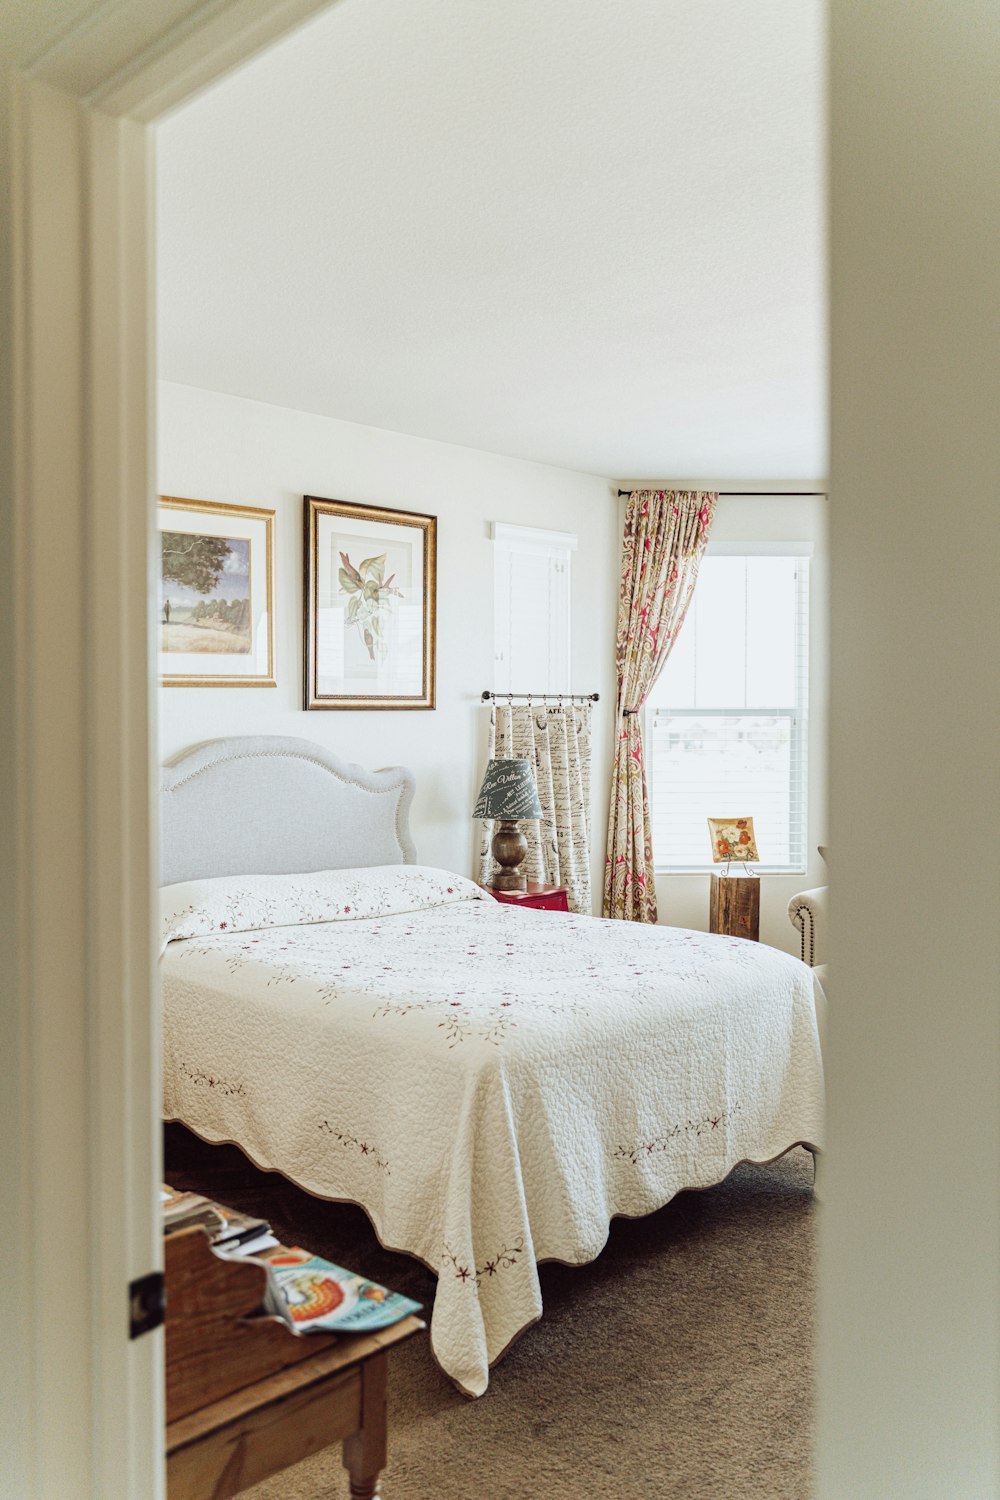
(734, 906)
(541, 897)
(246, 1397)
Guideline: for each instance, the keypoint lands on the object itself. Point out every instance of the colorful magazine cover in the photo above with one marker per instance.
(313, 1295)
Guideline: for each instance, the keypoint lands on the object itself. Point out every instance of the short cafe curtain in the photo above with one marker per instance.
(556, 741)
(665, 536)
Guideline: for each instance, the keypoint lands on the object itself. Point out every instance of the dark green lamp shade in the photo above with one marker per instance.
(508, 791)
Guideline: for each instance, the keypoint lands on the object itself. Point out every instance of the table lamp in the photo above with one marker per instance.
(508, 793)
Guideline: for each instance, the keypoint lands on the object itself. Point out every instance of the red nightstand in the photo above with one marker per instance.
(542, 897)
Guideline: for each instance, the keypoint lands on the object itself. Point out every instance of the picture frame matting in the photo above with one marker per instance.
(369, 606)
(215, 616)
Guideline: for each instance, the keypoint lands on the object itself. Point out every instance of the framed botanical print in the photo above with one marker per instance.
(215, 617)
(369, 616)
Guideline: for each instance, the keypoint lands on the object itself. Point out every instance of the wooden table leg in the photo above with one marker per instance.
(365, 1450)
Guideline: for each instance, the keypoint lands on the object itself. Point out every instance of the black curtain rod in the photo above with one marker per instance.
(583, 697)
(748, 494)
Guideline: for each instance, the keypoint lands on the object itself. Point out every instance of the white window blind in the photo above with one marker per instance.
(531, 593)
(726, 725)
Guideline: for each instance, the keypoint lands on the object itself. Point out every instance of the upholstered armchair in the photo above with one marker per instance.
(807, 913)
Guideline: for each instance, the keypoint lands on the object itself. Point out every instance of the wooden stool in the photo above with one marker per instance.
(734, 906)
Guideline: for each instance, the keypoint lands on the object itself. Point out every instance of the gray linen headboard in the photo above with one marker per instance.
(272, 805)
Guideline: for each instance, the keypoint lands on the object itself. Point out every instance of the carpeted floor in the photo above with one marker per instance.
(678, 1366)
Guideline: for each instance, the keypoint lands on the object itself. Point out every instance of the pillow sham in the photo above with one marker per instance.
(246, 903)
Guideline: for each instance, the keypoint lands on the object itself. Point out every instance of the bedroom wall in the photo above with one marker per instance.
(218, 447)
(683, 899)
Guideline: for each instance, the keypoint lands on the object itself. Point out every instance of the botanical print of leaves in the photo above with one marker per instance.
(371, 594)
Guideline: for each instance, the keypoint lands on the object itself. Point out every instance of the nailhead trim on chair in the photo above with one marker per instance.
(802, 916)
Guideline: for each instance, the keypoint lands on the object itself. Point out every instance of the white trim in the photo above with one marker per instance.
(798, 714)
(759, 869)
(197, 51)
(758, 548)
(89, 1077)
(81, 1406)
(525, 537)
(50, 847)
(550, 667)
(125, 1077)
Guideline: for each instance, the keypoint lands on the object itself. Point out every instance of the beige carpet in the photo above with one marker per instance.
(678, 1366)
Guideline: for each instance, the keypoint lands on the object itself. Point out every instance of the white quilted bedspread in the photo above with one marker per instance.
(492, 1084)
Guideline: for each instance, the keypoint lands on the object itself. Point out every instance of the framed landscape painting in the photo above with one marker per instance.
(215, 620)
(369, 616)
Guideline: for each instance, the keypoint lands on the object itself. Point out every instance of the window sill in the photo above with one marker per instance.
(662, 870)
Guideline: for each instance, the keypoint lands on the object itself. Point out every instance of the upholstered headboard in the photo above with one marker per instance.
(271, 805)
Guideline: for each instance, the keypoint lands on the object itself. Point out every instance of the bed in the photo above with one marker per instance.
(492, 1085)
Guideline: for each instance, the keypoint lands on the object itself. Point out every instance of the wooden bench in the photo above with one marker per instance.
(247, 1397)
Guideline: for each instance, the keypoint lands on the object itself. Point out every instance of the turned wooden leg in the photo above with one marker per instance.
(365, 1450)
(364, 1489)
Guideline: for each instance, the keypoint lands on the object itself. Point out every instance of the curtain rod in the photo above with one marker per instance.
(748, 494)
(584, 697)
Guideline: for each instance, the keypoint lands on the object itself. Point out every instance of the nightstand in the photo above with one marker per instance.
(541, 897)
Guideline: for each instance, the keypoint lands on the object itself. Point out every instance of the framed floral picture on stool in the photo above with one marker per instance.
(734, 900)
(369, 606)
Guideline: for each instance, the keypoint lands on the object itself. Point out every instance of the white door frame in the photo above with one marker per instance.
(910, 1338)
(81, 1410)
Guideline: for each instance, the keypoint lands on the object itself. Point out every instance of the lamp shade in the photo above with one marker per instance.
(508, 791)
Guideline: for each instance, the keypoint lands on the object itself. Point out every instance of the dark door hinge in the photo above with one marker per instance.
(147, 1303)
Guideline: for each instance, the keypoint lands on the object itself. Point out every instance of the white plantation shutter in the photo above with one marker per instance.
(726, 725)
(531, 640)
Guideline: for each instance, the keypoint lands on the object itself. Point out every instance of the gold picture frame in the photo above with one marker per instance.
(215, 612)
(369, 606)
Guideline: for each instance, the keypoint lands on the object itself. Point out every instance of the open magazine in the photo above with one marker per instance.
(314, 1295)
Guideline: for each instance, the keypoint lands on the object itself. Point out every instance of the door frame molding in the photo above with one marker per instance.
(82, 1412)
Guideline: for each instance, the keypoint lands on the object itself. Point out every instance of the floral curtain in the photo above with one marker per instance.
(555, 738)
(665, 536)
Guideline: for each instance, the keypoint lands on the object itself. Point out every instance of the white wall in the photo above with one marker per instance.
(217, 447)
(909, 1368)
(682, 900)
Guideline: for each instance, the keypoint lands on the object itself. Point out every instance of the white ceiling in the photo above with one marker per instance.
(586, 232)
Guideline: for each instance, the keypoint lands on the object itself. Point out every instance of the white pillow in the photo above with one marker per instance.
(247, 903)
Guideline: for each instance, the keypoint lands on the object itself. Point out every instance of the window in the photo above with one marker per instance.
(531, 592)
(726, 722)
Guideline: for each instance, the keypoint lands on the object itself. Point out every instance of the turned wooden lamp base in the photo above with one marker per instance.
(509, 849)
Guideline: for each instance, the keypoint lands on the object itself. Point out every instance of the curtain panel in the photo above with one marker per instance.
(664, 541)
(557, 742)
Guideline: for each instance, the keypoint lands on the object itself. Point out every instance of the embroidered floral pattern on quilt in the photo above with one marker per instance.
(200, 907)
(475, 981)
(526, 1074)
(472, 1275)
(352, 1143)
(202, 1079)
(680, 1131)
